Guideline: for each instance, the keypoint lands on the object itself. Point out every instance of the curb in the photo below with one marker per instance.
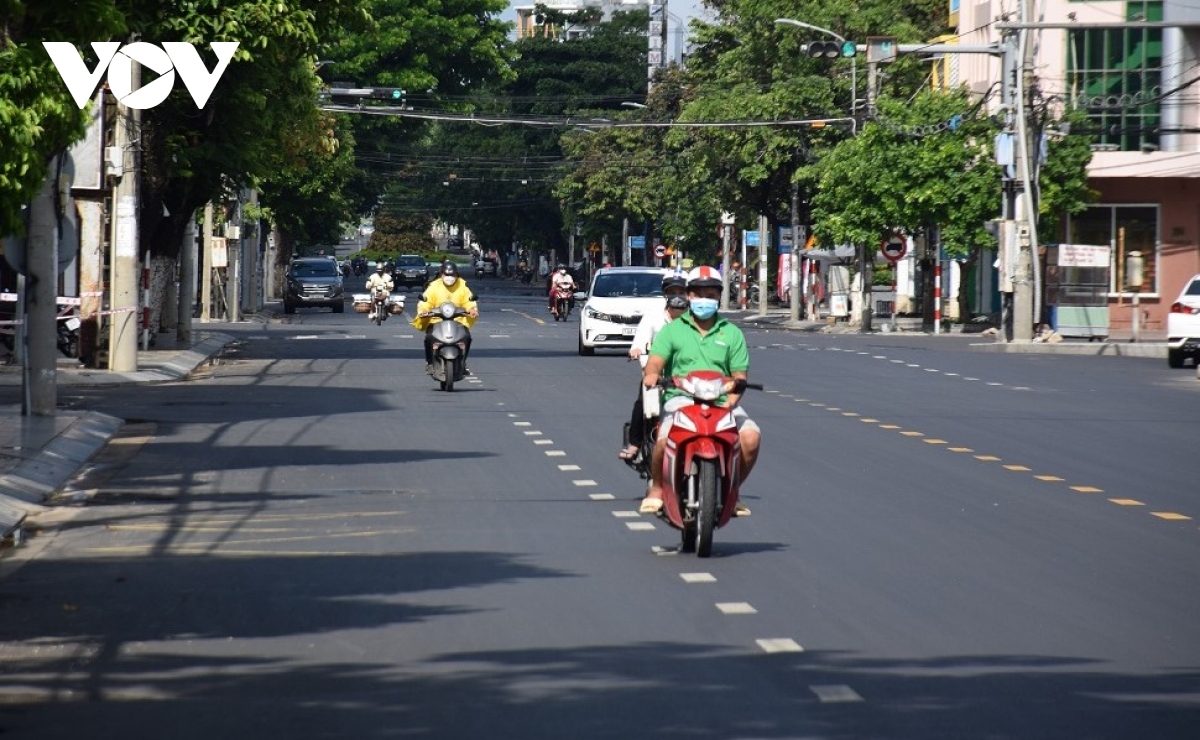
(26, 487)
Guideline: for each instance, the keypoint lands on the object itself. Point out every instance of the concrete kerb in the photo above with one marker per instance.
(24, 488)
(31, 482)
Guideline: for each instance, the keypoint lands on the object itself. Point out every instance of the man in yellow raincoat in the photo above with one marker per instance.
(447, 287)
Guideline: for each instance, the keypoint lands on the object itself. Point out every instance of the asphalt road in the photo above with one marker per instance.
(312, 541)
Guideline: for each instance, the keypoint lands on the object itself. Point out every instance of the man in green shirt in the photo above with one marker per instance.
(699, 340)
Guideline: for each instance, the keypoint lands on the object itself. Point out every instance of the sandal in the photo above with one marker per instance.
(628, 453)
(650, 506)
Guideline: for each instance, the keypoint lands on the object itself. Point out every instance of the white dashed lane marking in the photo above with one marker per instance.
(640, 526)
(779, 645)
(736, 607)
(838, 694)
(568, 467)
(698, 577)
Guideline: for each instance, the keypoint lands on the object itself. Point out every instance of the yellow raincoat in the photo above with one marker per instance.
(437, 293)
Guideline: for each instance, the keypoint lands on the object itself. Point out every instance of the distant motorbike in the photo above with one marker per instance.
(379, 306)
(701, 464)
(562, 304)
(449, 339)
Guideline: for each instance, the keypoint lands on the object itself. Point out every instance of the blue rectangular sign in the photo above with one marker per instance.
(751, 238)
(637, 242)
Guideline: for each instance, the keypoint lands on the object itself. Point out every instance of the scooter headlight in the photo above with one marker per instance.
(704, 390)
(447, 310)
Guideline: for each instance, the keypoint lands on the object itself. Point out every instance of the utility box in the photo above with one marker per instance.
(1077, 287)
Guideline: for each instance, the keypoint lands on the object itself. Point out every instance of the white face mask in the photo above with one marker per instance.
(448, 280)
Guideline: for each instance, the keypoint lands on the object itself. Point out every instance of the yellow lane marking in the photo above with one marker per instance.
(1126, 502)
(934, 441)
(258, 518)
(1087, 489)
(913, 434)
(205, 550)
(1171, 516)
(1017, 468)
(1050, 478)
(987, 458)
(522, 313)
(869, 421)
(193, 528)
(960, 449)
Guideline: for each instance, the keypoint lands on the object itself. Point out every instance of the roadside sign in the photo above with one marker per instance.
(894, 248)
(660, 250)
(637, 242)
(750, 238)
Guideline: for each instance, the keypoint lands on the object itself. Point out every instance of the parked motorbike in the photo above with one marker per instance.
(701, 464)
(562, 304)
(449, 338)
(68, 335)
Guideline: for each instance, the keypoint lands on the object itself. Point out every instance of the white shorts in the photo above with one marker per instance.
(740, 417)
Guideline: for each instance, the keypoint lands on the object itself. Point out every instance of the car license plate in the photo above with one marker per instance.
(629, 331)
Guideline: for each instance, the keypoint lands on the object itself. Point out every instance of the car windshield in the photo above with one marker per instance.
(410, 262)
(318, 268)
(639, 284)
(1193, 288)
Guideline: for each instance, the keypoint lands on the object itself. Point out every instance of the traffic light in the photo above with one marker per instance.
(830, 49)
(387, 93)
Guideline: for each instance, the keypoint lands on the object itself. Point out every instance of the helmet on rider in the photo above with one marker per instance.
(704, 277)
(449, 273)
(674, 280)
(562, 269)
(379, 266)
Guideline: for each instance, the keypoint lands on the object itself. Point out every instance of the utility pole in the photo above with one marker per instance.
(41, 300)
(727, 229)
(123, 275)
(206, 254)
(1023, 318)
(798, 240)
(764, 254)
(187, 283)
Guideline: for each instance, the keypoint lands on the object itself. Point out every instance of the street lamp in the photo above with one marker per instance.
(853, 59)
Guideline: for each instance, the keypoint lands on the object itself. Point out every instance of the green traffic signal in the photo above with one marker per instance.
(849, 49)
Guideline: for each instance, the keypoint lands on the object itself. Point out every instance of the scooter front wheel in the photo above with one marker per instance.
(706, 516)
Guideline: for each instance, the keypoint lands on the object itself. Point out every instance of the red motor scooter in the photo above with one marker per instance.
(562, 303)
(702, 461)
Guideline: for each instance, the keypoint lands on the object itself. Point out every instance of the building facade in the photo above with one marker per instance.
(1140, 87)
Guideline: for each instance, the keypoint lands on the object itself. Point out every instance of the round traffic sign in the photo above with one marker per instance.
(894, 248)
(660, 250)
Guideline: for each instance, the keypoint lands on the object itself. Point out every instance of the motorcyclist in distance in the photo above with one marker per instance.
(379, 280)
(448, 286)
(560, 279)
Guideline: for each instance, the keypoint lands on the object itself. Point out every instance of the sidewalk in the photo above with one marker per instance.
(1150, 344)
(38, 455)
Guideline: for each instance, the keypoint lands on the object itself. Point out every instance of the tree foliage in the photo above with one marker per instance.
(38, 118)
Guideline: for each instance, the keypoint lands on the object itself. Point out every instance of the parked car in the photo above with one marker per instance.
(616, 301)
(410, 271)
(314, 281)
(1183, 325)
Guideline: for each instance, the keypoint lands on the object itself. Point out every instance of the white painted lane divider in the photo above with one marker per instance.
(698, 577)
(736, 607)
(568, 467)
(584, 483)
(779, 645)
(556, 453)
(543, 441)
(601, 496)
(835, 694)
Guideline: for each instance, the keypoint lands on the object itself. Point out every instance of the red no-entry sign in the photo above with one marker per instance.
(894, 248)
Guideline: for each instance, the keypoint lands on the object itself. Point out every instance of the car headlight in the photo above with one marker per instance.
(592, 313)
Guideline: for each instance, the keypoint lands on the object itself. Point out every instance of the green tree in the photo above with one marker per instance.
(38, 118)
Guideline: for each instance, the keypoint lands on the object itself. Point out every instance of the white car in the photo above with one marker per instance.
(616, 301)
(1183, 325)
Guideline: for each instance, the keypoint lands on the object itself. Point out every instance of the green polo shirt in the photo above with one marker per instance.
(679, 342)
